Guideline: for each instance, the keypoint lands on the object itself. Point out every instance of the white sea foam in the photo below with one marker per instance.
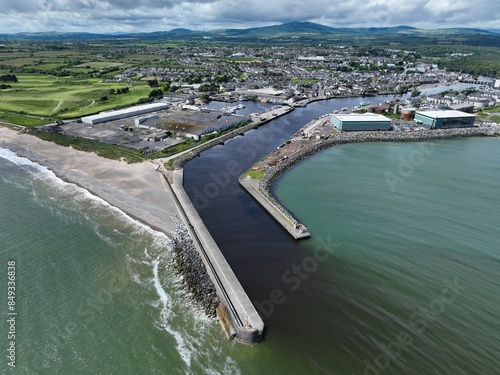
(166, 315)
(79, 194)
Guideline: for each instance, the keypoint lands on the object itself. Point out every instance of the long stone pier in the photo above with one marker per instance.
(238, 315)
(296, 229)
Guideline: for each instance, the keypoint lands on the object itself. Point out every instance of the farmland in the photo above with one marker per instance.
(61, 81)
(52, 97)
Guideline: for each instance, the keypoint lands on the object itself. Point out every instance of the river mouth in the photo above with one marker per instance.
(256, 247)
(354, 287)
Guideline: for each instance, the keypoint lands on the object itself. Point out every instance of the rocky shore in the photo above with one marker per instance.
(188, 263)
(274, 172)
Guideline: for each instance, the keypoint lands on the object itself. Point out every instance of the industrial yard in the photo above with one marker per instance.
(149, 131)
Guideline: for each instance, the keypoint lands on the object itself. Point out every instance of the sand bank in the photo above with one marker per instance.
(136, 189)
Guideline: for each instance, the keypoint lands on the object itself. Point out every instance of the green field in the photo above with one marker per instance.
(63, 97)
(256, 175)
(495, 119)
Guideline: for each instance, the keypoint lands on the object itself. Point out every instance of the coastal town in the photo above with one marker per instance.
(224, 187)
(178, 107)
(199, 97)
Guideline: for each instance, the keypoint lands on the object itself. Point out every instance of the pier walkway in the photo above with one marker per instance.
(247, 325)
(297, 231)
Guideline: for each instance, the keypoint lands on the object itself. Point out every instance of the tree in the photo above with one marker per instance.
(156, 93)
(153, 83)
(211, 87)
(8, 78)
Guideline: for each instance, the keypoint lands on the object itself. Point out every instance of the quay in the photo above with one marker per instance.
(296, 230)
(237, 314)
(182, 158)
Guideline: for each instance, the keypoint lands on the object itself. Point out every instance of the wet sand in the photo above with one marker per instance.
(136, 189)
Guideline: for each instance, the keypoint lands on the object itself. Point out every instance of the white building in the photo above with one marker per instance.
(124, 113)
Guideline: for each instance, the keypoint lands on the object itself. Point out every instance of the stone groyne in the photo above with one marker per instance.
(274, 172)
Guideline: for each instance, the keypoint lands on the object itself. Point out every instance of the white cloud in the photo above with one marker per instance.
(152, 15)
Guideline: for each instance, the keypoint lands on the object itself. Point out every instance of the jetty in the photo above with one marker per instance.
(237, 314)
(297, 230)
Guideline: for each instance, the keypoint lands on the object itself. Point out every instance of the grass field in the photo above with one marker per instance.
(64, 97)
(495, 119)
(15, 118)
(256, 175)
(104, 150)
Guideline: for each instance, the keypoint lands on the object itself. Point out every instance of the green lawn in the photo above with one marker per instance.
(66, 97)
(256, 175)
(14, 118)
(493, 110)
(495, 119)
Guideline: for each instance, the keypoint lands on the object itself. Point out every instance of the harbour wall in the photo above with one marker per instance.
(238, 315)
(274, 172)
(182, 160)
(276, 210)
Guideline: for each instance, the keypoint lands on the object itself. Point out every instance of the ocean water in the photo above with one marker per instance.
(411, 284)
(400, 276)
(95, 292)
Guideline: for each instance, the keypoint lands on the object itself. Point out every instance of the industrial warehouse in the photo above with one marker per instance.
(124, 113)
(363, 122)
(150, 127)
(444, 119)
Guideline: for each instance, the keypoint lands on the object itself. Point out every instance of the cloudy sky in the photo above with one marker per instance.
(158, 15)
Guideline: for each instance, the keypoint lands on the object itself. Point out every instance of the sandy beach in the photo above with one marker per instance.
(136, 189)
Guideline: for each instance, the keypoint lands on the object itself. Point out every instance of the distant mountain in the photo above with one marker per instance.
(296, 32)
(496, 31)
(53, 35)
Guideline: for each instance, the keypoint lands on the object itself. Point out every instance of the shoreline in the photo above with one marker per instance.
(143, 192)
(135, 189)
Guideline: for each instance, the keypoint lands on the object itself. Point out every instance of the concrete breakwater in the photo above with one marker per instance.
(276, 210)
(236, 312)
(274, 172)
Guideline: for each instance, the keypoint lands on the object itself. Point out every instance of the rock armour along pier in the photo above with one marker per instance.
(296, 229)
(274, 172)
(238, 315)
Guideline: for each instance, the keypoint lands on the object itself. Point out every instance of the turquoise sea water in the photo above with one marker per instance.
(400, 276)
(94, 292)
(411, 286)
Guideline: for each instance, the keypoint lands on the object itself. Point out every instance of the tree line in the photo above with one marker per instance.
(8, 78)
